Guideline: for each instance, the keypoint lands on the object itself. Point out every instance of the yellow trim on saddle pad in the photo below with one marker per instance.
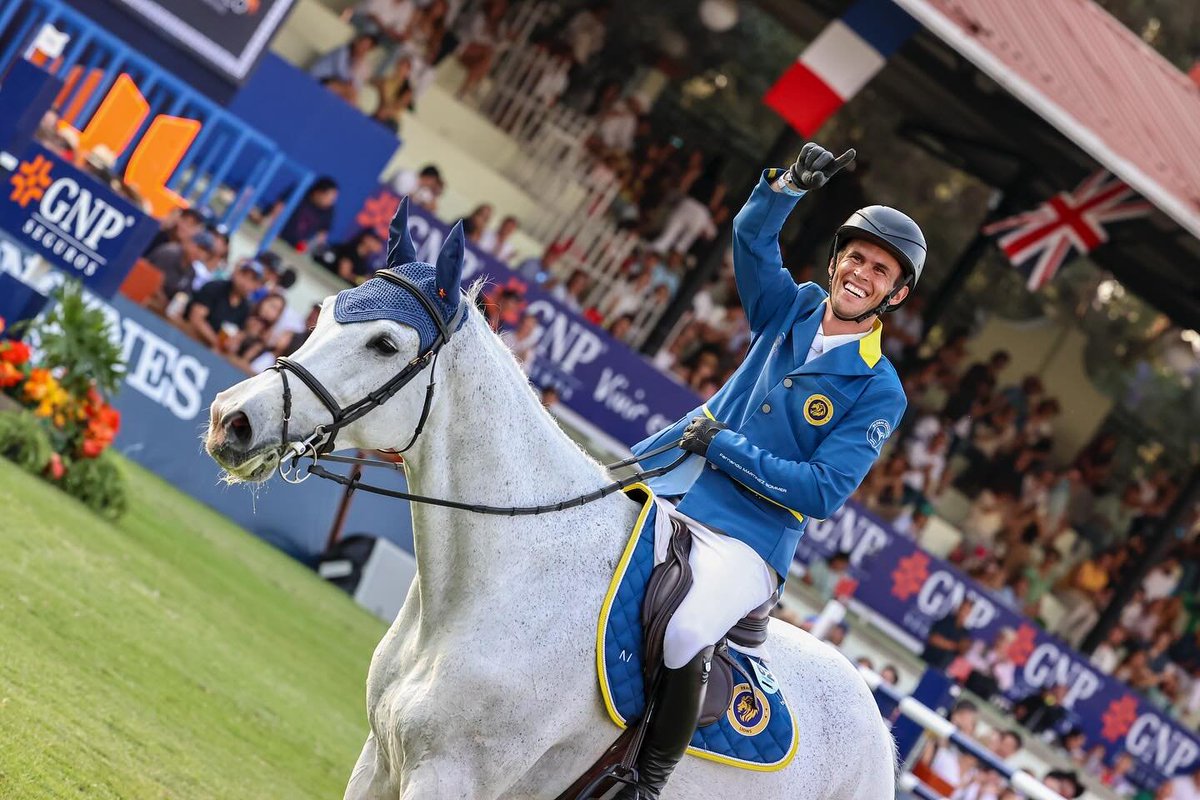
(602, 626)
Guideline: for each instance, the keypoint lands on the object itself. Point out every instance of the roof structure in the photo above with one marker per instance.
(1030, 97)
(1092, 79)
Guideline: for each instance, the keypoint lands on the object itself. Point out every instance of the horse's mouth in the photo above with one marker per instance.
(253, 467)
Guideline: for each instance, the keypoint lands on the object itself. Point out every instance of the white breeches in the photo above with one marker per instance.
(688, 220)
(729, 581)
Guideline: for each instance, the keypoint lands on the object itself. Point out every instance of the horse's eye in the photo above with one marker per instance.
(383, 345)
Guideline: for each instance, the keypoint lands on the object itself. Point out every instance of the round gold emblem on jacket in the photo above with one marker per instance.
(818, 409)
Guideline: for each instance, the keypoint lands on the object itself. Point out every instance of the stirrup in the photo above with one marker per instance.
(617, 774)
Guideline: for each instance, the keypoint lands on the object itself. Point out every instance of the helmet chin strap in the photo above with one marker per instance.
(877, 311)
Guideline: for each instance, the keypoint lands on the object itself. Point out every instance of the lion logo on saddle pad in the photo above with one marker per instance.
(749, 712)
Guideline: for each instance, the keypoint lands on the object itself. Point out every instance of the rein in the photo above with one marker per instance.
(320, 444)
(353, 484)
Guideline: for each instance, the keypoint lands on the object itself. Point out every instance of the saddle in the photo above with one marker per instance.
(668, 584)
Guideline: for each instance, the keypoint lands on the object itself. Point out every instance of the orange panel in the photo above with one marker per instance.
(156, 157)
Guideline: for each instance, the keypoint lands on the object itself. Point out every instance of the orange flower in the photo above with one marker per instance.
(92, 448)
(103, 426)
(9, 375)
(16, 353)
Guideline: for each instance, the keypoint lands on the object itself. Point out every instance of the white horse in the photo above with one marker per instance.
(485, 686)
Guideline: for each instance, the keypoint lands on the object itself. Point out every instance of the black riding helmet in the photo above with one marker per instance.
(895, 232)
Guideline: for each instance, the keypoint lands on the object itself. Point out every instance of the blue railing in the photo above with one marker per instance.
(219, 156)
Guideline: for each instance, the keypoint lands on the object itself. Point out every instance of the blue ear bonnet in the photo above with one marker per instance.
(379, 299)
(439, 283)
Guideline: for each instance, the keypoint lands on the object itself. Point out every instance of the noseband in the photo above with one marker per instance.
(322, 440)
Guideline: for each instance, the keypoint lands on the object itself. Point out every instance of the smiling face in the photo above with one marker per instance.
(861, 277)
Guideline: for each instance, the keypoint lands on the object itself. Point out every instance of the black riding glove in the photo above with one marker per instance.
(699, 435)
(814, 166)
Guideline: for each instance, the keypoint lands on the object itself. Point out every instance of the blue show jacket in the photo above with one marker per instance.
(801, 437)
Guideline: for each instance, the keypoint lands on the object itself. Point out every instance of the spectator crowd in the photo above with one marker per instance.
(1047, 536)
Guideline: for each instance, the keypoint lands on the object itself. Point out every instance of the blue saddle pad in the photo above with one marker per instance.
(752, 735)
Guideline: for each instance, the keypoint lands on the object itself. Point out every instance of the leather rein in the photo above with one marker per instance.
(319, 446)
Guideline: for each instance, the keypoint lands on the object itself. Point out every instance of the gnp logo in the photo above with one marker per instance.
(69, 220)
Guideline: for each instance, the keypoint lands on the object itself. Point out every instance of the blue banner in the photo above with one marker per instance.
(72, 220)
(911, 589)
(598, 377)
(170, 382)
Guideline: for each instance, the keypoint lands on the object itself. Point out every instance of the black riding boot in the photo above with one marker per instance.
(678, 701)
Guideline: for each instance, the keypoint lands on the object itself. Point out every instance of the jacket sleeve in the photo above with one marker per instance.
(764, 285)
(817, 487)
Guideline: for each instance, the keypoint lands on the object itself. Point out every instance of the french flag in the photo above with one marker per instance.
(839, 62)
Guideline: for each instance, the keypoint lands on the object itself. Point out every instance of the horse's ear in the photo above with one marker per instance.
(450, 260)
(401, 250)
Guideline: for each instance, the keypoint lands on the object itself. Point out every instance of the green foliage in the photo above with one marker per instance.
(78, 340)
(24, 441)
(98, 484)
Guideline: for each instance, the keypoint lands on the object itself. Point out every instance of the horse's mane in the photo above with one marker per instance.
(506, 361)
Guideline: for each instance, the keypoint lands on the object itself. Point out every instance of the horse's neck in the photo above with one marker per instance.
(489, 441)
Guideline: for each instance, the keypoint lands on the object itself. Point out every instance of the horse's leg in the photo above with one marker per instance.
(368, 781)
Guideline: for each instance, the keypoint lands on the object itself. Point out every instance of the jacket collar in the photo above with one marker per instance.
(853, 358)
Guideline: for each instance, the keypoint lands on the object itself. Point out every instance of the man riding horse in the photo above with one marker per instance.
(790, 435)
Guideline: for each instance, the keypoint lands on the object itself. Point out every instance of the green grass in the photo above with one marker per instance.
(170, 655)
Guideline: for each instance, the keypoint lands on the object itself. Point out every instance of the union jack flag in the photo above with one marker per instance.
(1040, 241)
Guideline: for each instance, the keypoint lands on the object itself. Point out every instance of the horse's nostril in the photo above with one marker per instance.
(237, 428)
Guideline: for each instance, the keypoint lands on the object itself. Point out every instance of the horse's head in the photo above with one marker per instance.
(369, 352)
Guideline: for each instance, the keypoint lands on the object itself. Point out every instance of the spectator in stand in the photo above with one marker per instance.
(277, 276)
(585, 33)
(523, 341)
(388, 18)
(825, 575)
(477, 222)
(906, 330)
(1065, 783)
(356, 259)
(177, 262)
(692, 216)
(394, 103)
(554, 81)
(219, 310)
(1110, 653)
(622, 327)
(212, 265)
(179, 226)
(290, 341)
(926, 474)
(617, 126)
(343, 70)
(571, 294)
(1116, 777)
(1023, 397)
(483, 36)
(539, 269)
(1095, 462)
(949, 637)
(428, 40)
(309, 224)
(423, 188)
(257, 332)
(498, 242)
(942, 765)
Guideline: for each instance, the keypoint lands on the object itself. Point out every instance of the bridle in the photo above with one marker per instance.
(321, 442)
(319, 446)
